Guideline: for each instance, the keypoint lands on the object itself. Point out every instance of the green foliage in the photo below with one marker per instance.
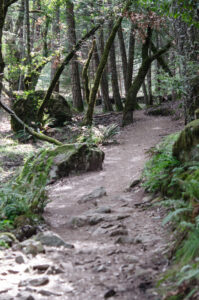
(25, 195)
(179, 181)
(97, 135)
(158, 168)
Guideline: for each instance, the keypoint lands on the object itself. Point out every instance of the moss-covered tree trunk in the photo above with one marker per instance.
(89, 114)
(130, 104)
(75, 78)
(34, 133)
(61, 68)
(106, 103)
(130, 63)
(85, 72)
(123, 55)
(114, 75)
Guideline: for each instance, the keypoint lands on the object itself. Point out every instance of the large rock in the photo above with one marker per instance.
(26, 108)
(75, 158)
(62, 161)
(186, 148)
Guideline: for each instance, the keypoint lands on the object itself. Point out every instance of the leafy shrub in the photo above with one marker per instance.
(179, 183)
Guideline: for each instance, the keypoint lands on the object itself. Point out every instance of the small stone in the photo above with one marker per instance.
(78, 221)
(109, 293)
(49, 238)
(48, 293)
(103, 210)
(97, 193)
(54, 270)
(127, 240)
(147, 199)
(94, 220)
(39, 281)
(131, 259)
(101, 269)
(41, 268)
(6, 239)
(134, 183)
(19, 259)
(32, 247)
(119, 232)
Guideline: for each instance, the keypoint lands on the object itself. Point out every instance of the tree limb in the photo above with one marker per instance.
(161, 60)
(61, 68)
(38, 135)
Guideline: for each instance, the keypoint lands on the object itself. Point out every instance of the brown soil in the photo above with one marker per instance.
(95, 248)
(123, 255)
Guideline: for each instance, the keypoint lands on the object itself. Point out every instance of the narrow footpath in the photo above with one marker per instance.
(119, 242)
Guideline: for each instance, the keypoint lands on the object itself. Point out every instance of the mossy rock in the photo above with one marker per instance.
(61, 162)
(160, 111)
(186, 148)
(26, 108)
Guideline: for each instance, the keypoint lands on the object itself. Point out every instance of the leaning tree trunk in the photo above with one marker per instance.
(114, 76)
(89, 114)
(75, 78)
(130, 104)
(61, 68)
(85, 72)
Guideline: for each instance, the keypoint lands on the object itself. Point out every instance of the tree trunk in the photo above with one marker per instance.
(114, 76)
(89, 114)
(55, 45)
(106, 103)
(85, 72)
(149, 83)
(146, 99)
(130, 104)
(123, 56)
(3, 11)
(75, 79)
(61, 68)
(129, 75)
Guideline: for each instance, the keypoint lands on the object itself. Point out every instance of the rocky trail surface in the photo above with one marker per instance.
(110, 243)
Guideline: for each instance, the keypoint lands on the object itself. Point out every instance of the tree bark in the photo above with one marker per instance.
(61, 68)
(75, 79)
(89, 114)
(123, 56)
(85, 72)
(149, 83)
(130, 104)
(55, 45)
(130, 64)
(114, 75)
(3, 11)
(106, 103)
(39, 136)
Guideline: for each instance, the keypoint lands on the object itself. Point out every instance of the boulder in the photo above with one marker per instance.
(62, 161)
(186, 148)
(49, 238)
(26, 108)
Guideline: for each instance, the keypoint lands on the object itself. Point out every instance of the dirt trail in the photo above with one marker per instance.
(124, 249)
(119, 245)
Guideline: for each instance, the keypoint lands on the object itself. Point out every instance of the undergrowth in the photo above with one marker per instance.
(25, 195)
(179, 185)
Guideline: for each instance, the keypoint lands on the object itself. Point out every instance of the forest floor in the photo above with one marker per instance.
(119, 243)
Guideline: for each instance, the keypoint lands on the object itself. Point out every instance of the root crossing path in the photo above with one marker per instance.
(119, 244)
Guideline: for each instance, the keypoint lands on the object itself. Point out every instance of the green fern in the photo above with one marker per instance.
(174, 214)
